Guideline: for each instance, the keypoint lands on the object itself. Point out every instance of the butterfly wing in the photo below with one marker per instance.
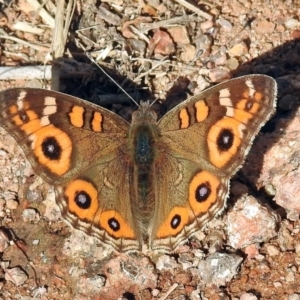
(204, 141)
(80, 148)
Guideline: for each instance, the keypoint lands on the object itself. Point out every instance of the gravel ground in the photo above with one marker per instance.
(166, 51)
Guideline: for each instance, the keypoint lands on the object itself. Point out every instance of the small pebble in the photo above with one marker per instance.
(264, 26)
(16, 276)
(293, 216)
(4, 241)
(166, 262)
(238, 49)
(272, 250)
(29, 215)
(277, 284)
(219, 268)
(219, 75)
(248, 296)
(232, 63)
(294, 297)
(12, 204)
(291, 23)
(224, 24)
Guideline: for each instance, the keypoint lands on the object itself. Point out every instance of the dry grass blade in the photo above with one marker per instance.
(171, 289)
(145, 27)
(47, 18)
(194, 9)
(26, 27)
(5, 36)
(60, 35)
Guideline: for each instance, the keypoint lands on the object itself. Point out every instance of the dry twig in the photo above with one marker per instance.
(145, 27)
(5, 36)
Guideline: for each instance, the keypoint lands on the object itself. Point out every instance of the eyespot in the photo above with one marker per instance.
(223, 140)
(53, 148)
(82, 199)
(115, 225)
(176, 220)
(203, 192)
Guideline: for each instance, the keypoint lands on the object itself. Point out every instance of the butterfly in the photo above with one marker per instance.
(150, 183)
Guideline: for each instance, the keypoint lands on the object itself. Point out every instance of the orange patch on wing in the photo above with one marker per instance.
(26, 105)
(76, 116)
(258, 96)
(242, 106)
(209, 180)
(97, 122)
(255, 108)
(125, 230)
(33, 124)
(242, 116)
(201, 111)
(71, 192)
(13, 109)
(166, 230)
(61, 165)
(217, 158)
(184, 118)
(17, 120)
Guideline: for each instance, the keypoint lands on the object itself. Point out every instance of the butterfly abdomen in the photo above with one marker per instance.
(143, 160)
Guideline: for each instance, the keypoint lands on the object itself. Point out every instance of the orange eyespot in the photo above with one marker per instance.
(115, 225)
(82, 199)
(53, 148)
(223, 141)
(203, 191)
(176, 220)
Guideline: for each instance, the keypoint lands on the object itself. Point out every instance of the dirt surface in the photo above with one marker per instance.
(166, 51)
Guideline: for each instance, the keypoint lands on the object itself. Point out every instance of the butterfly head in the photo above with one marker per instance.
(144, 114)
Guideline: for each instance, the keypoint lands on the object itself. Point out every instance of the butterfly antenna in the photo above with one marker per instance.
(93, 60)
(154, 101)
